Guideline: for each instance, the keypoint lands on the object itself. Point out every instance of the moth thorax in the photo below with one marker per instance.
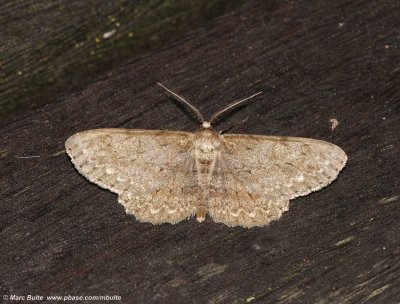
(206, 144)
(207, 140)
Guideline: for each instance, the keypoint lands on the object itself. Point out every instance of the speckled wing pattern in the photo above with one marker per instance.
(154, 173)
(147, 169)
(260, 174)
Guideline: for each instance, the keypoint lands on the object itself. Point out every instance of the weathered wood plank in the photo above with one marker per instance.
(52, 47)
(314, 61)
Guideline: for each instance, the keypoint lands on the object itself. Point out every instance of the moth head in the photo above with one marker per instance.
(205, 125)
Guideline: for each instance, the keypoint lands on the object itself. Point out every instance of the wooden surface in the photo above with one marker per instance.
(53, 47)
(315, 61)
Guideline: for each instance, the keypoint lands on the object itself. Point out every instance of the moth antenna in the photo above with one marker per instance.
(233, 126)
(184, 102)
(232, 105)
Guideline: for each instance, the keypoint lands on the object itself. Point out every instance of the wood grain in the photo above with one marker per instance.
(314, 61)
(51, 48)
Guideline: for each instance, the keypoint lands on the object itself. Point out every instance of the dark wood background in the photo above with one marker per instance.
(314, 61)
(51, 48)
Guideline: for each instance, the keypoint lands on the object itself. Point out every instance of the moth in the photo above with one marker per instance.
(237, 179)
